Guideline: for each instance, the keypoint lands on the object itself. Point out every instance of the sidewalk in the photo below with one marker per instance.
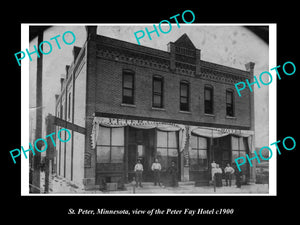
(61, 186)
(189, 189)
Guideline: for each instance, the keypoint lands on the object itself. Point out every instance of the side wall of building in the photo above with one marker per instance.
(79, 119)
(71, 107)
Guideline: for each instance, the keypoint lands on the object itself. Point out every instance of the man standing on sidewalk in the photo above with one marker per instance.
(228, 174)
(173, 172)
(138, 169)
(156, 168)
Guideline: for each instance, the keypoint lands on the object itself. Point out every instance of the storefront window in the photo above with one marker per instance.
(117, 136)
(110, 145)
(238, 147)
(198, 153)
(117, 154)
(103, 154)
(167, 148)
(162, 139)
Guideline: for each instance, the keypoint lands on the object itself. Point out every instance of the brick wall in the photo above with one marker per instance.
(109, 95)
(104, 90)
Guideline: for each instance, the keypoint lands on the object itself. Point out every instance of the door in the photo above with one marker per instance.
(167, 152)
(141, 146)
(132, 159)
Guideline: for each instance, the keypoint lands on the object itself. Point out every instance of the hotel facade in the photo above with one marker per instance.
(129, 102)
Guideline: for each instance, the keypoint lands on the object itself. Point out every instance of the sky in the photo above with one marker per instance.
(232, 46)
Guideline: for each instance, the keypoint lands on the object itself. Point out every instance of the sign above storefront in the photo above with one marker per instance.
(213, 132)
(142, 124)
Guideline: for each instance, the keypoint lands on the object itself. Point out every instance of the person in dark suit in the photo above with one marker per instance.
(218, 174)
(238, 178)
(172, 170)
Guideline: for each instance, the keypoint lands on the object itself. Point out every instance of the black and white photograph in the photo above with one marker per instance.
(129, 109)
(150, 114)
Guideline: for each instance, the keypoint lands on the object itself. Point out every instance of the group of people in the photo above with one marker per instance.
(217, 175)
(216, 172)
(156, 169)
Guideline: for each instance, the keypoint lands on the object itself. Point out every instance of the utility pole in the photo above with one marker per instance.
(49, 153)
(39, 117)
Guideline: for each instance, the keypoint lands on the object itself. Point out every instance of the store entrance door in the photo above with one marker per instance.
(221, 151)
(141, 146)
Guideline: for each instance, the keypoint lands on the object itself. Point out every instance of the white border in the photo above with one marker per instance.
(25, 110)
(273, 109)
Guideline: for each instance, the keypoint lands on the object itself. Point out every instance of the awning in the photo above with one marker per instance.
(184, 131)
(139, 124)
(209, 133)
(212, 132)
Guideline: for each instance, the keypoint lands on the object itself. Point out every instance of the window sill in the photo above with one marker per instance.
(159, 109)
(128, 105)
(210, 115)
(231, 117)
(187, 112)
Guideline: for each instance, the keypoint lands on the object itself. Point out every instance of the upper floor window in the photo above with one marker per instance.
(229, 103)
(157, 92)
(208, 100)
(128, 87)
(184, 96)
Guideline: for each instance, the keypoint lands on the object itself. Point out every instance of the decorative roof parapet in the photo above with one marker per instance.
(217, 68)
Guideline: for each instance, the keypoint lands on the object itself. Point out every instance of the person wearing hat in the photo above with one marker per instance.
(138, 169)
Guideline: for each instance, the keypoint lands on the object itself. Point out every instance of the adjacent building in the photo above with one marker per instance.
(132, 102)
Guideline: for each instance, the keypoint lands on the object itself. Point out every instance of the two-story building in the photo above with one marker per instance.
(139, 102)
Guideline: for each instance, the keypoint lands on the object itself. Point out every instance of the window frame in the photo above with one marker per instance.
(161, 94)
(131, 73)
(239, 150)
(110, 146)
(187, 109)
(232, 105)
(198, 149)
(167, 148)
(211, 89)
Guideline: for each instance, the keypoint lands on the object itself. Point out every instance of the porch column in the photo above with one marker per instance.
(185, 175)
(126, 154)
(250, 68)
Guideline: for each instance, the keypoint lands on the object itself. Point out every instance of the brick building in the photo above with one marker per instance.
(136, 102)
